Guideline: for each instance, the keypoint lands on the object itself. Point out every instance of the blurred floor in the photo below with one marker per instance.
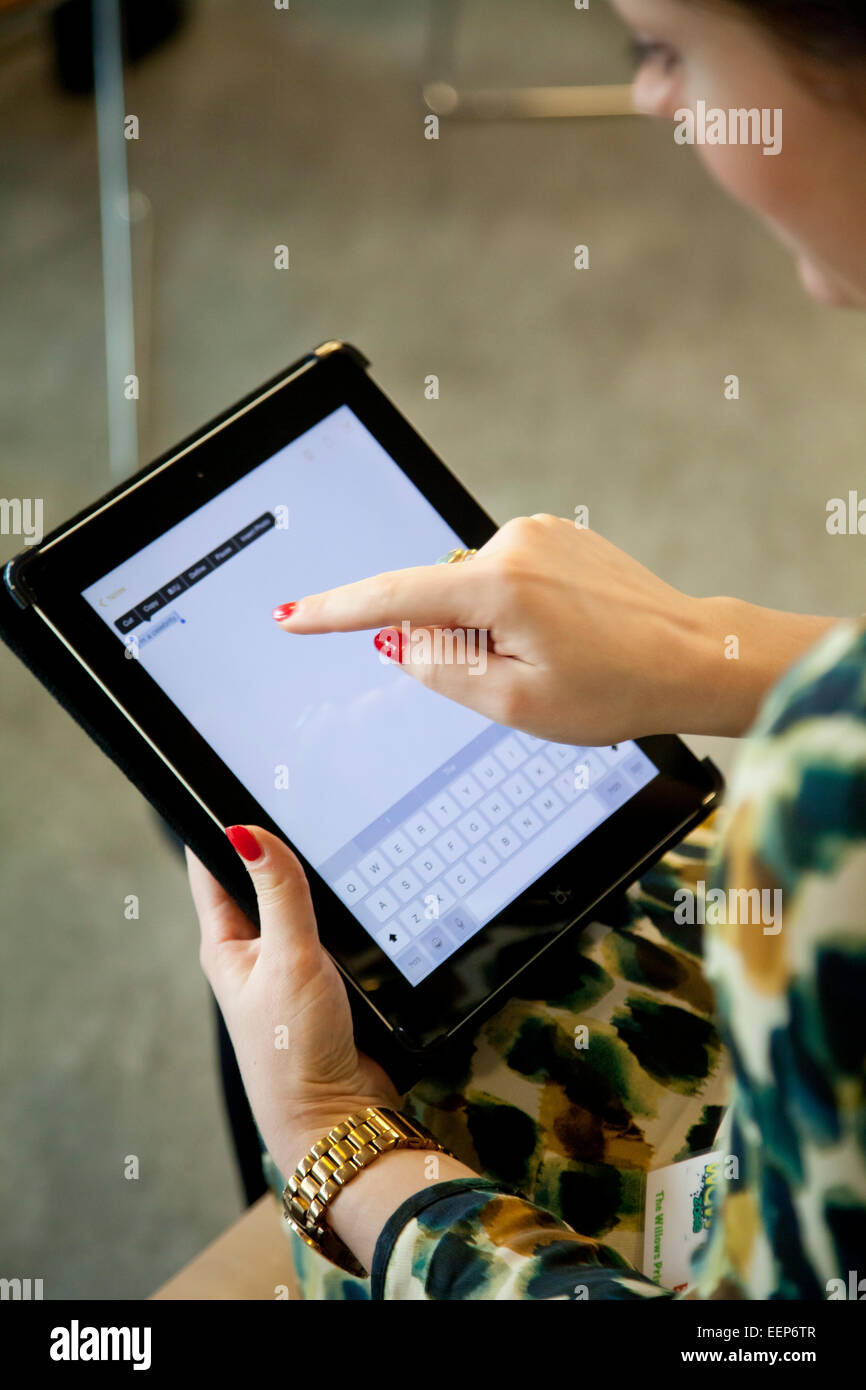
(602, 387)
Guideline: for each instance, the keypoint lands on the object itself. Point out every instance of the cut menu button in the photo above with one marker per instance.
(145, 610)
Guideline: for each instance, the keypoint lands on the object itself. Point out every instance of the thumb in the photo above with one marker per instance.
(288, 922)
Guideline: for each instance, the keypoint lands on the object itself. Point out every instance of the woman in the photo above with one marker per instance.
(588, 647)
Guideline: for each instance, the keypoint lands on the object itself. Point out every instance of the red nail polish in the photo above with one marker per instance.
(284, 611)
(246, 844)
(390, 643)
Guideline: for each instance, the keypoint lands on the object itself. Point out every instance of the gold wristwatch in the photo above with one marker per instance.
(333, 1161)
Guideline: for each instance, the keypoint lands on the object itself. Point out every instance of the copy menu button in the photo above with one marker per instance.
(151, 605)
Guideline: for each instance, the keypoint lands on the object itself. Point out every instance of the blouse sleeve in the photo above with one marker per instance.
(471, 1238)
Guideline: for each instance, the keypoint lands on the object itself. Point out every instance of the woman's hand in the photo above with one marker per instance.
(583, 644)
(284, 1002)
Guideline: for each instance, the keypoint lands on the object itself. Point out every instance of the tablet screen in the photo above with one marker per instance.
(425, 818)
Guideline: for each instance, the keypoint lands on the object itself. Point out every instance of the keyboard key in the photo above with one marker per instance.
(414, 964)
(505, 841)
(518, 789)
(351, 887)
(639, 769)
(437, 943)
(437, 899)
(461, 879)
(443, 809)
(422, 828)
(489, 772)
(587, 769)
(413, 918)
(428, 865)
(398, 848)
(404, 885)
(473, 827)
(565, 785)
(510, 752)
(548, 804)
(540, 770)
(393, 939)
(562, 754)
(466, 790)
(527, 822)
(482, 860)
(597, 769)
(375, 868)
(381, 904)
(496, 808)
(451, 846)
(460, 924)
(616, 752)
(615, 790)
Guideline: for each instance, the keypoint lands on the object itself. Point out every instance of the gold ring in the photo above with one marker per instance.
(456, 556)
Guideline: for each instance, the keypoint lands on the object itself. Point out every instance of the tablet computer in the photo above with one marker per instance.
(444, 852)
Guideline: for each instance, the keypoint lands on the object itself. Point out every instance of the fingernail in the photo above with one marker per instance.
(390, 643)
(246, 844)
(284, 611)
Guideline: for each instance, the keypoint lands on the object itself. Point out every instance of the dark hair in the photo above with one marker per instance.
(830, 31)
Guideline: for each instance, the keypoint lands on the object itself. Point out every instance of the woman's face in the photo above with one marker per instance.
(813, 192)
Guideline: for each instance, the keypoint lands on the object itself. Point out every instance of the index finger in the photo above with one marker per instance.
(424, 596)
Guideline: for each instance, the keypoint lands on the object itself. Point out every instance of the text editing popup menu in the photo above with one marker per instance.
(197, 571)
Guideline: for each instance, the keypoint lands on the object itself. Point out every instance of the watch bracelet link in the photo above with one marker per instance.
(333, 1161)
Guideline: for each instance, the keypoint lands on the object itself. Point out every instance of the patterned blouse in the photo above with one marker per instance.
(791, 1011)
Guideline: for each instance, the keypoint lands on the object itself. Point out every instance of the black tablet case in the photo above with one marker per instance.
(24, 632)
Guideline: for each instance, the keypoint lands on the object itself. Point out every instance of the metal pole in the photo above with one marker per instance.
(116, 244)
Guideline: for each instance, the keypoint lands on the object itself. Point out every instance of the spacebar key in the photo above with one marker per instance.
(530, 862)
